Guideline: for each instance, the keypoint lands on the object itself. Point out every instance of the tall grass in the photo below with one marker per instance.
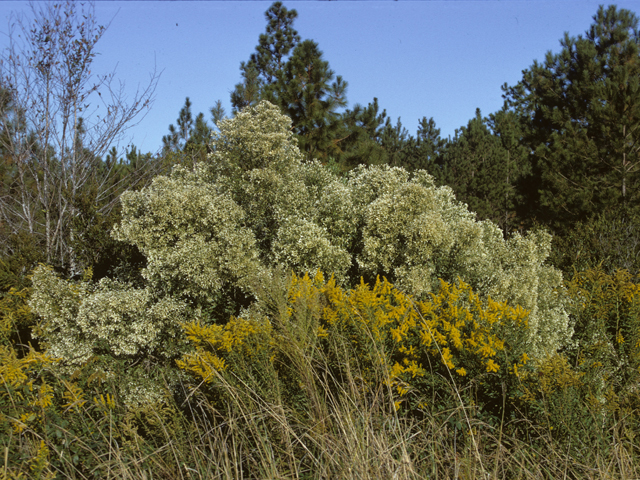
(312, 408)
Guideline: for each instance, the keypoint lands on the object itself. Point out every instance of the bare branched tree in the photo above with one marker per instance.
(58, 120)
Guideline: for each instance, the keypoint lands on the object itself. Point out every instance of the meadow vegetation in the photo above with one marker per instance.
(276, 333)
(264, 300)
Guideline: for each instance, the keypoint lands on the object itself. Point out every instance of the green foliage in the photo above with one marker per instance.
(608, 329)
(300, 83)
(428, 146)
(591, 387)
(609, 241)
(483, 167)
(368, 137)
(580, 112)
(190, 140)
(307, 93)
(261, 71)
(360, 143)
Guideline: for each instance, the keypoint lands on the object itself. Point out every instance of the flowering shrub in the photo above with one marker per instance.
(453, 335)
(124, 332)
(241, 343)
(193, 236)
(607, 342)
(212, 235)
(83, 319)
(593, 384)
(382, 221)
(411, 346)
(417, 234)
(24, 396)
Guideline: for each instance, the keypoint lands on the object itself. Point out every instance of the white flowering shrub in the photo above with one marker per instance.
(415, 233)
(83, 319)
(193, 236)
(256, 205)
(303, 245)
(257, 138)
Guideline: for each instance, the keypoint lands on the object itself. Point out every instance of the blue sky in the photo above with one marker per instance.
(440, 59)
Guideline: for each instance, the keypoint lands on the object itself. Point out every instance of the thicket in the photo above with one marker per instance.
(258, 313)
(475, 340)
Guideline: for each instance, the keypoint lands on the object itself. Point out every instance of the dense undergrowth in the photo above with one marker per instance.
(326, 382)
(288, 322)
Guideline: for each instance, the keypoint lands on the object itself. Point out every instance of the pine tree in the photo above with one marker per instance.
(191, 136)
(482, 172)
(274, 45)
(178, 136)
(200, 136)
(369, 138)
(249, 91)
(396, 143)
(217, 112)
(427, 147)
(581, 108)
(508, 128)
(362, 130)
(307, 92)
(261, 71)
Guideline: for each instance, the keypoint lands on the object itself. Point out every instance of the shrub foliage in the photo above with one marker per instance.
(425, 315)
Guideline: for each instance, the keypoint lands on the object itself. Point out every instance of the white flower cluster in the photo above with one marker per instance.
(193, 236)
(303, 245)
(80, 320)
(417, 233)
(256, 138)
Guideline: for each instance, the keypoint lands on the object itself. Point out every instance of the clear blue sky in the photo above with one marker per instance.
(440, 59)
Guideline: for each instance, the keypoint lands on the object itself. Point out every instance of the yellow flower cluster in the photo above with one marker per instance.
(383, 327)
(456, 318)
(454, 327)
(215, 345)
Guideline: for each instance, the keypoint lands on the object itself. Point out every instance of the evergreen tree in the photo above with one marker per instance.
(581, 108)
(191, 136)
(293, 75)
(217, 113)
(261, 71)
(274, 45)
(508, 128)
(200, 136)
(307, 92)
(369, 138)
(396, 143)
(362, 130)
(178, 137)
(247, 92)
(427, 147)
(482, 171)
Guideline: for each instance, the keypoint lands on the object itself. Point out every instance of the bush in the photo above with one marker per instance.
(415, 348)
(256, 205)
